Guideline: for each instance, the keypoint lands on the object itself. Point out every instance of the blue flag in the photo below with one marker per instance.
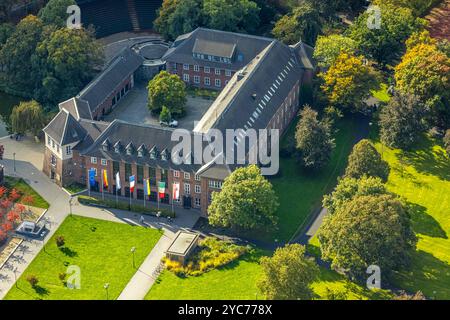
(92, 177)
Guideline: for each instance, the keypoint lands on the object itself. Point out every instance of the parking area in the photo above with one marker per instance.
(133, 108)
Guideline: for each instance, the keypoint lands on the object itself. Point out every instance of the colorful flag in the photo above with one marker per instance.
(147, 187)
(162, 190)
(132, 183)
(176, 191)
(92, 173)
(105, 179)
(118, 187)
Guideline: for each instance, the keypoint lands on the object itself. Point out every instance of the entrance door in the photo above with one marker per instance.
(52, 175)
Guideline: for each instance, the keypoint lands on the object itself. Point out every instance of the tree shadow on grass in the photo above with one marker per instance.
(428, 274)
(68, 252)
(423, 223)
(41, 291)
(427, 160)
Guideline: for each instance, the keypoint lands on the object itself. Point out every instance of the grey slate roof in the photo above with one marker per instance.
(214, 48)
(304, 54)
(117, 70)
(247, 47)
(77, 108)
(65, 129)
(128, 134)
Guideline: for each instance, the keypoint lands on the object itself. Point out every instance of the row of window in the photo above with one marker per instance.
(196, 68)
(186, 175)
(55, 146)
(206, 80)
(211, 58)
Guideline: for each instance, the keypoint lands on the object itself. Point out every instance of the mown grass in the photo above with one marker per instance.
(26, 190)
(299, 191)
(101, 249)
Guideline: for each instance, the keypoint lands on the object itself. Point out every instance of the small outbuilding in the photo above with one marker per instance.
(182, 246)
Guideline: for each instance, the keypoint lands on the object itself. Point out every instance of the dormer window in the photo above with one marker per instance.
(106, 145)
(130, 149)
(118, 147)
(142, 151)
(154, 153)
(165, 155)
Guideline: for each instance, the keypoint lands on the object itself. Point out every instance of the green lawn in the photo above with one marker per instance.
(102, 251)
(301, 192)
(24, 189)
(234, 281)
(422, 177)
(75, 188)
(382, 93)
(237, 281)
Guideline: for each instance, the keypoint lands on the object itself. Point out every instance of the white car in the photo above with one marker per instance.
(172, 123)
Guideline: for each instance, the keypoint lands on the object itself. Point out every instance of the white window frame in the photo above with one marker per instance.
(186, 77)
(68, 150)
(176, 174)
(198, 188)
(217, 71)
(207, 81)
(196, 68)
(94, 160)
(197, 177)
(187, 176)
(187, 188)
(207, 69)
(186, 66)
(218, 83)
(215, 184)
(104, 162)
(197, 79)
(228, 73)
(197, 202)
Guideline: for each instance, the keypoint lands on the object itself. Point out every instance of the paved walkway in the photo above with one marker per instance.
(29, 156)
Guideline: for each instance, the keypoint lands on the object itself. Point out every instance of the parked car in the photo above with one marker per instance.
(171, 123)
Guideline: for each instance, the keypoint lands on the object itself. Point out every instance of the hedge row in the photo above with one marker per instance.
(90, 201)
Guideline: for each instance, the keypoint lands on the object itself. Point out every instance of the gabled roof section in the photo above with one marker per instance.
(304, 55)
(65, 129)
(246, 47)
(78, 108)
(214, 48)
(117, 70)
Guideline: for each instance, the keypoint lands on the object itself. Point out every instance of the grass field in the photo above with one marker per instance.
(422, 177)
(382, 93)
(301, 192)
(25, 190)
(238, 281)
(101, 249)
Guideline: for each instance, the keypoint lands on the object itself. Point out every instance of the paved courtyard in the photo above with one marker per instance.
(133, 108)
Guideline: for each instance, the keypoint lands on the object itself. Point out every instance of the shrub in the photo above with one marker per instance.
(447, 141)
(211, 254)
(32, 280)
(60, 241)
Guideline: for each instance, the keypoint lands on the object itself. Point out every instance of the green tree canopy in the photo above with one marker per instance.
(424, 71)
(348, 188)
(16, 55)
(288, 274)
(247, 202)
(231, 15)
(386, 43)
(368, 230)
(303, 23)
(447, 141)
(27, 117)
(349, 81)
(55, 12)
(314, 142)
(402, 121)
(167, 90)
(6, 30)
(165, 115)
(67, 59)
(328, 48)
(177, 17)
(365, 160)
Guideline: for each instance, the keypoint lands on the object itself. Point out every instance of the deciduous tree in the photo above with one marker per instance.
(365, 160)
(328, 48)
(349, 81)
(247, 202)
(314, 142)
(368, 230)
(55, 12)
(167, 90)
(288, 274)
(28, 117)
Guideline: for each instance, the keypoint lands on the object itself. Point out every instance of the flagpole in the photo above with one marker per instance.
(89, 183)
(130, 195)
(158, 196)
(145, 191)
(173, 199)
(103, 186)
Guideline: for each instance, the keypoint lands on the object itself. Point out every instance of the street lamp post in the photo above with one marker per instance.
(70, 205)
(14, 161)
(106, 286)
(133, 250)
